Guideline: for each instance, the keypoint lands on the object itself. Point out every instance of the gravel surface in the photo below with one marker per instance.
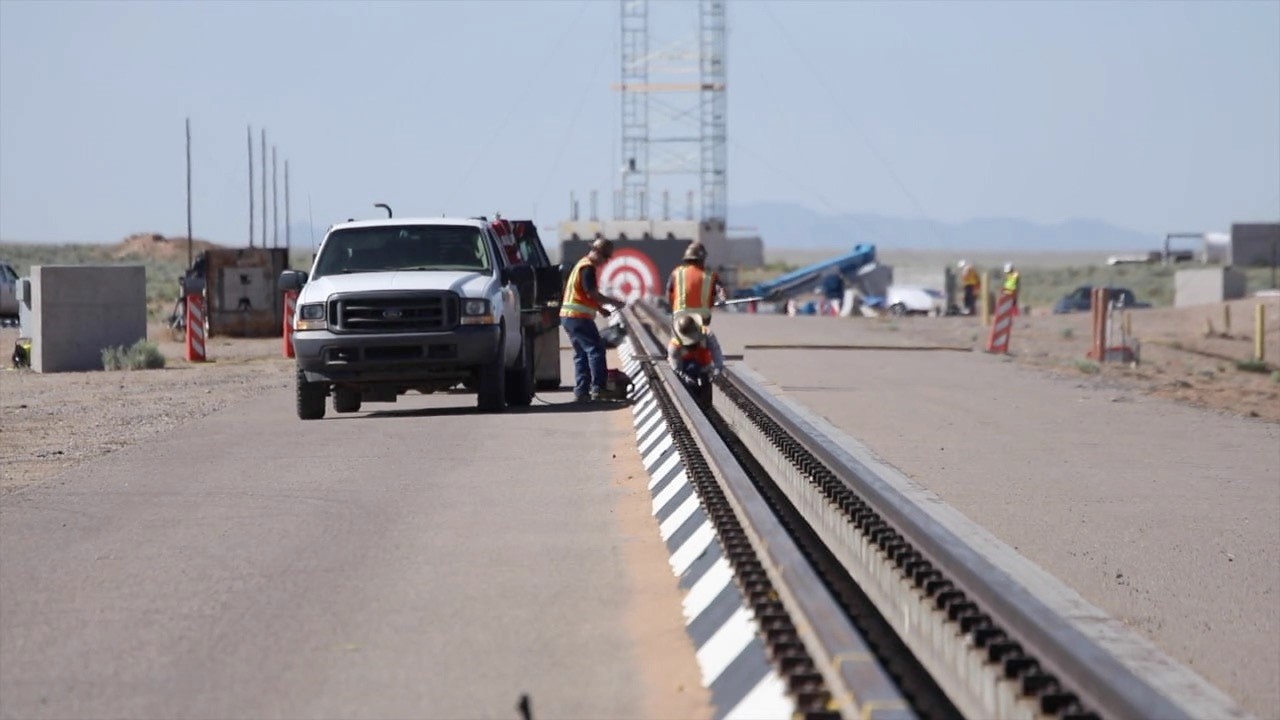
(50, 422)
(1179, 359)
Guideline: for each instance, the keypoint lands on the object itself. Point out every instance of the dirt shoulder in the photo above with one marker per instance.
(52, 422)
(1185, 354)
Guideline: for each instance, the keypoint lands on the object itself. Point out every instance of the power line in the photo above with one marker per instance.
(513, 108)
(832, 97)
(568, 134)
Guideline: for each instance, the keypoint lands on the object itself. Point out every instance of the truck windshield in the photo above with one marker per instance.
(404, 247)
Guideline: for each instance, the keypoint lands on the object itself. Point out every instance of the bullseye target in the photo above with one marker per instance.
(630, 275)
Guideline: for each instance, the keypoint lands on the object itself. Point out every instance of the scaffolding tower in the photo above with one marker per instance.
(672, 125)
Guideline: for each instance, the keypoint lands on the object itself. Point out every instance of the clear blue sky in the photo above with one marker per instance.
(1151, 115)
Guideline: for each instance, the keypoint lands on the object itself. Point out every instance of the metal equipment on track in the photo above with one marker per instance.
(869, 608)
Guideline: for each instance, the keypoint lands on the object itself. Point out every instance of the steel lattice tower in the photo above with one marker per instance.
(714, 106)
(689, 135)
(635, 108)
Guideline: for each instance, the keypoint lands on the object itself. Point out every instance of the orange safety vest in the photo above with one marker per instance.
(692, 288)
(699, 353)
(577, 303)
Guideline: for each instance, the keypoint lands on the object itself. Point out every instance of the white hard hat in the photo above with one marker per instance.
(962, 263)
(1008, 267)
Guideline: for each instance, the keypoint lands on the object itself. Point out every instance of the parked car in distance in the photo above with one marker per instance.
(915, 300)
(1081, 300)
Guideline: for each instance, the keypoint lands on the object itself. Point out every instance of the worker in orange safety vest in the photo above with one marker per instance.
(692, 288)
(582, 301)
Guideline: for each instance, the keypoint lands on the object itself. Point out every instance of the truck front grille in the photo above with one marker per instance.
(393, 312)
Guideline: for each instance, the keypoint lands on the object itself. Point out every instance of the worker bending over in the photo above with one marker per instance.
(693, 350)
(692, 289)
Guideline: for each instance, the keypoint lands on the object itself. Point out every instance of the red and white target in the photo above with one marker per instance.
(630, 275)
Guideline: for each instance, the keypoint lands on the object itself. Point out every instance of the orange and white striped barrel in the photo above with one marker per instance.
(1002, 326)
(195, 328)
(290, 303)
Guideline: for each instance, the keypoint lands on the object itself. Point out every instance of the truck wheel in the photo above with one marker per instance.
(520, 380)
(491, 389)
(310, 398)
(346, 400)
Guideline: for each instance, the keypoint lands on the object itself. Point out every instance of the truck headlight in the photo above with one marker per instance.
(311, 317)
(477, 312)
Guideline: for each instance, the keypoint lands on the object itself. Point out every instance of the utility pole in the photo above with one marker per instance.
(275, 208)
(311, 225)
(263, 146)
(249, 130)
(190, 260)
(288, 239)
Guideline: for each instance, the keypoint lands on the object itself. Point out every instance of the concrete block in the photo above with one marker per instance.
(1205, 286)
(77, 310)
(1255, 244)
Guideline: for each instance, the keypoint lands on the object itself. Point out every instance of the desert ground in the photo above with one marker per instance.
(52, 422)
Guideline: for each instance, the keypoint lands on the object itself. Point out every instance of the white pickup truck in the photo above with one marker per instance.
(393, 305)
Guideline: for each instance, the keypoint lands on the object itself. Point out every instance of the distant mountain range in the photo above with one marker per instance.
(796, 227)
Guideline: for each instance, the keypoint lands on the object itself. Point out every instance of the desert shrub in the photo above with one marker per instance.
(145, 355)
(142, 355)
(113, 358)
(1088, 367)
(1257, 366)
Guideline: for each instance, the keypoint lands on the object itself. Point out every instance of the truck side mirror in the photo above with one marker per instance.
(292, 280)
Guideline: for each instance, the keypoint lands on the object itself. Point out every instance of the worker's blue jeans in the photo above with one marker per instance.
(589, 370)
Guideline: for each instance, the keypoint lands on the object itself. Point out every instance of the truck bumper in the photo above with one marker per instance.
(325, 356)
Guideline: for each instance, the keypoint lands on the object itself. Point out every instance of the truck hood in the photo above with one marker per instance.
(465, 284)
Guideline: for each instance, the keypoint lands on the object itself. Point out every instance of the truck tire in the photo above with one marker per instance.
(491, 386)
(310, 398)
(346, 400)
(520, 379)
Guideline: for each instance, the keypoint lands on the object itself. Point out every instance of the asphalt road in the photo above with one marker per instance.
(424, 561)
(1165, 516)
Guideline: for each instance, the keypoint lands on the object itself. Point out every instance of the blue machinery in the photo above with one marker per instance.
(803, 280)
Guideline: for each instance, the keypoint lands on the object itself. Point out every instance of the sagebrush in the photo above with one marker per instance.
(142, 355)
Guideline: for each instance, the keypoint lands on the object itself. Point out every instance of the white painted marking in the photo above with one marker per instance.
(707, 589)
(767, 701)
(664, 469)
(645, 423)
(677, 518)
(653, 440)
(656, 452)
(643, 405)
(668, 492)
(692, 548)
(647, 420)
(725, 645)
(643, 409)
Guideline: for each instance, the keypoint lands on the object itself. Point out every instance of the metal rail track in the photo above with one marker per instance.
(834, 544)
